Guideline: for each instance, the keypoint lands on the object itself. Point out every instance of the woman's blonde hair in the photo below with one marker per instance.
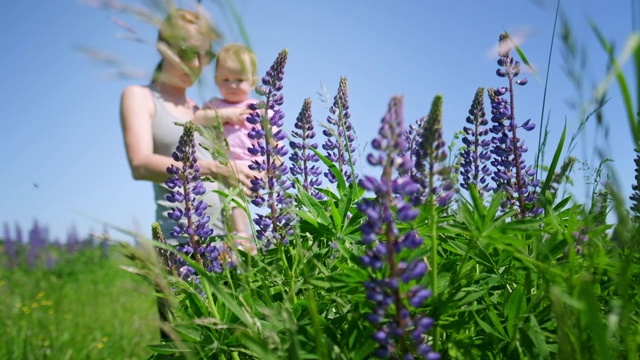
(241, 56)
(175, 30)
(174, 27)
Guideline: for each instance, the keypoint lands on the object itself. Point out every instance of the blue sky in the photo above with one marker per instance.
(64, 156)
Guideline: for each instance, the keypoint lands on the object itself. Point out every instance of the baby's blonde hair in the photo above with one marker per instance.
(241, 56)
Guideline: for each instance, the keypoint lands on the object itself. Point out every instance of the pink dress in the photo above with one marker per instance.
(236, 134)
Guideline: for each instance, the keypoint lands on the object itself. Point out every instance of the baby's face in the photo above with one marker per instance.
(235, 85)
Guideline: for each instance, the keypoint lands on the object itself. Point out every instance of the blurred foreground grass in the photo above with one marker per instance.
(85, 308)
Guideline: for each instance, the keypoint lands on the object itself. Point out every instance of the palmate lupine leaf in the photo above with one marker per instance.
(340, 180)
(343, 201)
(311, 209)
(211, 286)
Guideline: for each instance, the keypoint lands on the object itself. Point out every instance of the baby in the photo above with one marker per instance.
(236, 77)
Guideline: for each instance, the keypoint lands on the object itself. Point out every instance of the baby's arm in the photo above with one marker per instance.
(209, 115)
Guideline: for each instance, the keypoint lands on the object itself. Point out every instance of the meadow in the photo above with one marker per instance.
(84, 307)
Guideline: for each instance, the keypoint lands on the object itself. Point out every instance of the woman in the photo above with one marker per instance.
(148, 114)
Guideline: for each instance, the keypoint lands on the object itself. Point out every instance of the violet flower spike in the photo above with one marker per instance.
(10, 247)
(339, 145)
(399, 333)
(302, 158)
(189, 212)
(635, 196)
(430, 156)
(37, 245)
(412, 137)
(511, 175)
(271, 186)
(476, 156)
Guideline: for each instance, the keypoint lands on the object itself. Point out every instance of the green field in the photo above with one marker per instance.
(87, 307)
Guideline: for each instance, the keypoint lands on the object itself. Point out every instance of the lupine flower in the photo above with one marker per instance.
(430, 156)
(580, 238)
(271, 186)
(635, 196)
(73, 241)
(399, 333)
(18, 233)
(10, 248)
(339, 145)
(512, 176)
(36, 245)
(475, 156)
(192, 222)
(302, 159)
(412, 137)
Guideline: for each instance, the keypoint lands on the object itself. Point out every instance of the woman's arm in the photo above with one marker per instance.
(136, 114)
(213, 117)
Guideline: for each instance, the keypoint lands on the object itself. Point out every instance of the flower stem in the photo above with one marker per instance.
(434, 268)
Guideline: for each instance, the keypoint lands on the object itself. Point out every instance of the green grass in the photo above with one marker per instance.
(86, 308)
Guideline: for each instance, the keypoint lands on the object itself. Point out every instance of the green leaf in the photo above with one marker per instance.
(471, 297)
(166, 349)
(487, 328)
(496, 323)
(593, 318)
(342, 184)
(258, 347)
(554, 162)
(313, 206)
(188, 333)
(631, 47)
(336, 216)
(537, 338)
(562, 203)
(514, 308)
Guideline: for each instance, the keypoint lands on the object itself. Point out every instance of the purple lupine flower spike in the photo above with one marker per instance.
(270, 187)
(430, 156)
(37, 241)
(73, 240)
(635, 196)
(302, 159)
(399, 334)
(511, 175)
(476, 156)
(339, 145)
(192, 222)
(10, 248)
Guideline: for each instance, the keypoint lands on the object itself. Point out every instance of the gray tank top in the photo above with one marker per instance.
(165, 139)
